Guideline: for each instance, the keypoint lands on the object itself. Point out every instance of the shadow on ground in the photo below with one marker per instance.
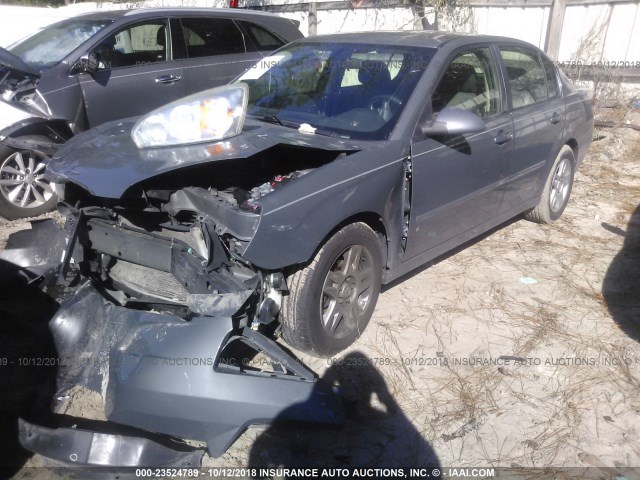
(377, 434)
(621, 286)
(27, 363)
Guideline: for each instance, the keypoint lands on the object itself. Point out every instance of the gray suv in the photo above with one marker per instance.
(90, 69)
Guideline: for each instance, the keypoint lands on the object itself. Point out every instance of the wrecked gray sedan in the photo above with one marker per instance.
(279, 204)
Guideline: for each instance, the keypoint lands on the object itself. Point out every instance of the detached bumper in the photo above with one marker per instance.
(160, 373)
(81, 448)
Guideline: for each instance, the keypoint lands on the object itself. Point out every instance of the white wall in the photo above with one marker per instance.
(590, 32)
(358, 20)
(528, 24)
(19, 22)
(365, 19)
(601, 32)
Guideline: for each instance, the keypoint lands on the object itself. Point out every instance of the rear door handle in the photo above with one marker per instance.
(168, 79)
(555, 118)
(502, 137)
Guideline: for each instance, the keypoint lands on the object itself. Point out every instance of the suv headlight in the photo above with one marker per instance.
(205, 116)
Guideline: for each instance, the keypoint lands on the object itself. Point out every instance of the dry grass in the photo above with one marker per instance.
(556, 410)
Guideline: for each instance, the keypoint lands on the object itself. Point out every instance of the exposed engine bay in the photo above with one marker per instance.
(177, 249)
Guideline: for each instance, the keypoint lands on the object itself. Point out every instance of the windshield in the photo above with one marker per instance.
(338, 89)
(50, 45)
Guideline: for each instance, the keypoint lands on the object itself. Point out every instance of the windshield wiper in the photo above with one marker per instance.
(271, 119)
(277, 121)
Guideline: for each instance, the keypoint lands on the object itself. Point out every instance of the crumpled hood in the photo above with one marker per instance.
(15, 63)
(106, 162)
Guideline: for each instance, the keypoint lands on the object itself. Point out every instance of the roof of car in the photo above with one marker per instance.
(418, 38)
(145, 12)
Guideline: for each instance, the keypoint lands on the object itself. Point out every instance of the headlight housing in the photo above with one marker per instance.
(210, 115)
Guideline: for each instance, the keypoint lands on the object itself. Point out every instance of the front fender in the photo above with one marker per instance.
(295, 221)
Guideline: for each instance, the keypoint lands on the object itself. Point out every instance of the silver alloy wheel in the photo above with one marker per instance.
(560, 185)
(21, 182)
(346, 292)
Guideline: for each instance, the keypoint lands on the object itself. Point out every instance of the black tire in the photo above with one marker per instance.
(557, 189)
(332, 291)
(39, 194)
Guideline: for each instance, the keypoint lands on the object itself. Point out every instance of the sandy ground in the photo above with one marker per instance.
(518, 350)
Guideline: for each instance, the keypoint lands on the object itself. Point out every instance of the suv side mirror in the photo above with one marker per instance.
(454, 121)
(86, 64)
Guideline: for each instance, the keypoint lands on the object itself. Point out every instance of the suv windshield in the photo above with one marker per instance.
(338, 89)
(50, 45)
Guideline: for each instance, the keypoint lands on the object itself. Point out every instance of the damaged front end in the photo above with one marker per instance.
(161, 315)
(170, 274)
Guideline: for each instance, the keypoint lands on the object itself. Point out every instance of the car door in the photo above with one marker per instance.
(457, 181)
(538, 120)
(136, 73)
(216, 52)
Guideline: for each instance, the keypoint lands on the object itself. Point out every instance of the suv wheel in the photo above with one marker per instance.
(331, 301)
(23, 193)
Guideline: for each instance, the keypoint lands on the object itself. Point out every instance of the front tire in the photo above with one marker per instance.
(331, 301)
(557, 189)
(23, 193)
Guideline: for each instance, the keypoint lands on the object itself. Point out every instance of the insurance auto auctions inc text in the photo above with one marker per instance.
(376, 472)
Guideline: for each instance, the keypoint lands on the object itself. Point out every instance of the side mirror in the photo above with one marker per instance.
(86, 64)
(454, 121)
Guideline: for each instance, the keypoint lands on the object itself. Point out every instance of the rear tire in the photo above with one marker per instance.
(557, 189)
(23, 193)
(331, 301)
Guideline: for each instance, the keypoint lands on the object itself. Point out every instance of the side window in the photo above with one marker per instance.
(552, 79)
(141, 44)
(470, 82)
(211, 36)
(527, 78)
(263, 39)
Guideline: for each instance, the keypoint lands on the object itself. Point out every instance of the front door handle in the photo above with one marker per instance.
(555, 118)
(168, 79)
(502, 137)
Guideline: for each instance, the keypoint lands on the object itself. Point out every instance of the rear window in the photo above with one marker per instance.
(262, 38)
(206, 37)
